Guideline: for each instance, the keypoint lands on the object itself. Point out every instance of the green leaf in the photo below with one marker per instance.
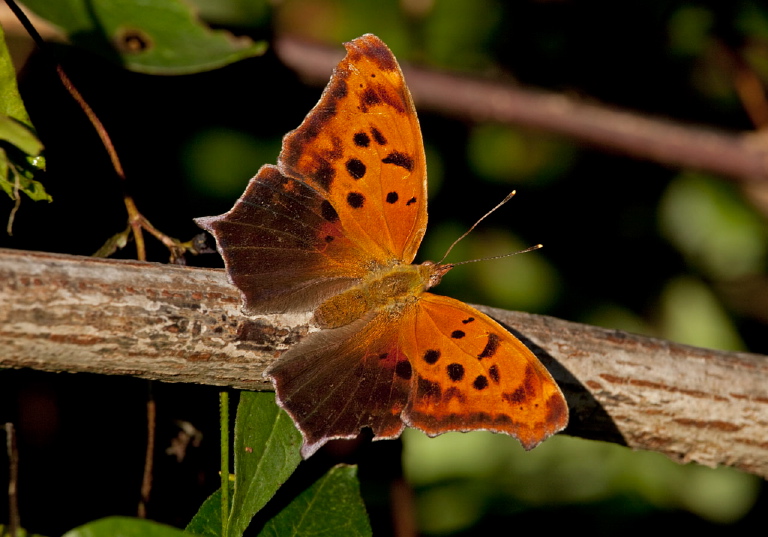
(20, 532)
(20, 149)
(331, 506)
(11, 104)
(12, 130)
(266, 454)
(118, 526)
(207, 520)
(149, 36)
(16, 171)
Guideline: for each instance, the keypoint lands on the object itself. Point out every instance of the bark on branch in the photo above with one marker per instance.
(743, 156)
(180, 324)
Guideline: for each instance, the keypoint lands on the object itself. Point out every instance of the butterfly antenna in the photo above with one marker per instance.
(486, 215)
(530, 249)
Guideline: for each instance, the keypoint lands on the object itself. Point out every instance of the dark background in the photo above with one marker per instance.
(622, 238)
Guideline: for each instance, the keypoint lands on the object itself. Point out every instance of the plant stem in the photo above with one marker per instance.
(224, 422)
(14, 523)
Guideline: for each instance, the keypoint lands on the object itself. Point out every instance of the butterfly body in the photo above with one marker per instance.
(334, 229)
(392, 289)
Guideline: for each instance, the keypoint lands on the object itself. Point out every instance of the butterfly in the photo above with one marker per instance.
(333, 229)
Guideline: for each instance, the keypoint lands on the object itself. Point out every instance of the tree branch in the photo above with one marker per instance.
(743, 156)
(180, 324)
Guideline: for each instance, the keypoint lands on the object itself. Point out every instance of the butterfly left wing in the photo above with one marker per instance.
(335, 382)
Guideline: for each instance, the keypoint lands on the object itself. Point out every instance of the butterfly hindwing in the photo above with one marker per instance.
(470, 373)
(336, 382)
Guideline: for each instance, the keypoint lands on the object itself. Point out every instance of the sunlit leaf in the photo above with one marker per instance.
(20, 149)
(150, 36)
(18, 134)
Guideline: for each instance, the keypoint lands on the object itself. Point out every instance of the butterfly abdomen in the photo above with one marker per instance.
(392, 287)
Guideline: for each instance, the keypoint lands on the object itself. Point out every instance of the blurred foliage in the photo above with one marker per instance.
(628, 244)
(461, 478)
(710, 225)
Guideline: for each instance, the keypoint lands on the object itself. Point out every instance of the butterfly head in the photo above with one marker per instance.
(432, 273)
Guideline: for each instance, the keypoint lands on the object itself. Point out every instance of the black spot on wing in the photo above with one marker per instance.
(455, 372)
(392, 197)
(428, 389)
(480, 383)
(380, 139)
(458, 334)
(399, 159)
(356, 168)
(361, 139)
(328, 212)
(431, 356)
(493, 371)
(516, 397)
(490, 347)
(403, 370)
(355, 200)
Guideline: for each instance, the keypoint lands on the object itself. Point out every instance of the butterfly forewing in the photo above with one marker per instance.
(284, 246)
(361, 146)
(470, 373)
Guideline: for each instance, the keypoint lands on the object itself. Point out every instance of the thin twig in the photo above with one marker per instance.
(16, 203)
(149, 457)
(743, 156)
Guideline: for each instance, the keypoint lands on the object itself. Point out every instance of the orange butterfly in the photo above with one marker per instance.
(333, 228)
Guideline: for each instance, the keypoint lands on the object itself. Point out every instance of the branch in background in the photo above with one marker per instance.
(178, 324)
(743, 156)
